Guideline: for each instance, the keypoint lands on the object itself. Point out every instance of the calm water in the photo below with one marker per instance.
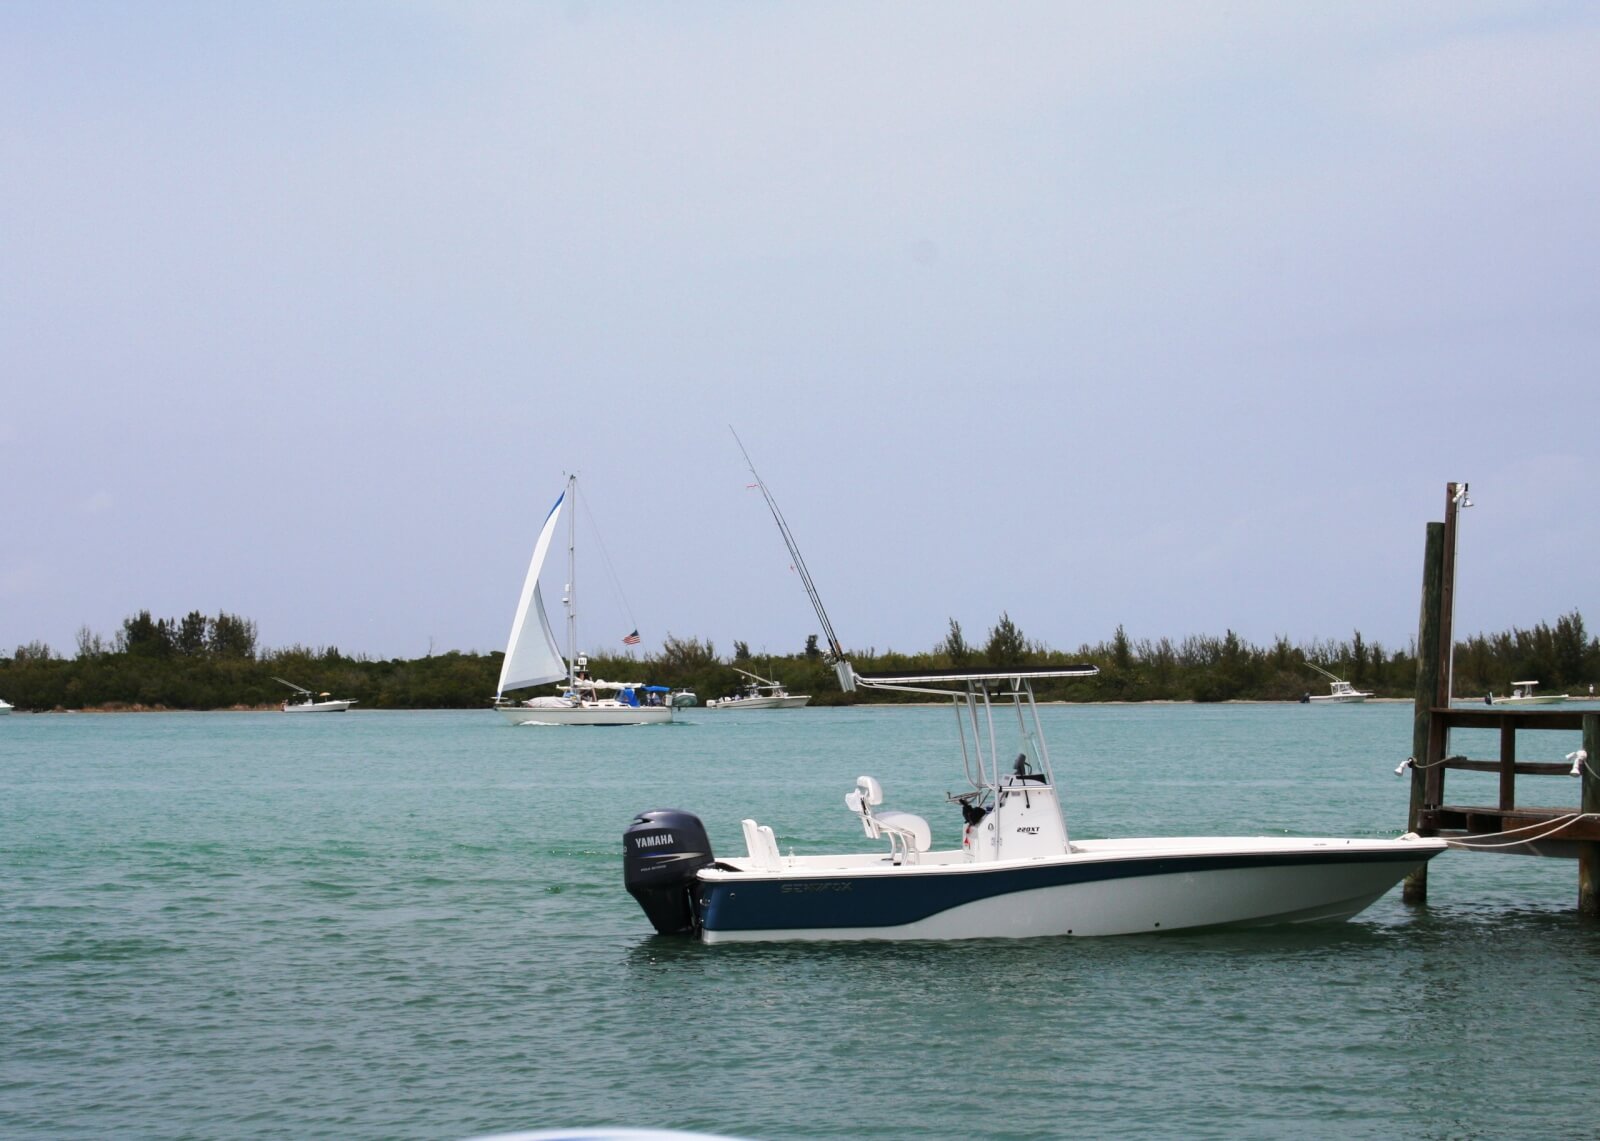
(412, 925)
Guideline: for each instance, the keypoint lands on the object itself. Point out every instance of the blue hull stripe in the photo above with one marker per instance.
(905, 897)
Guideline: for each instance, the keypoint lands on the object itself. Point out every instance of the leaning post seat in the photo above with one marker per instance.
(908, 833)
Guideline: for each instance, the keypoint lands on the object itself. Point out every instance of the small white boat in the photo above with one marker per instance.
(1340, 691)
(1016, 872)
(533, 658)
(5, 707)
(759, 693)
(1523, 693)
(309, 702)
(683, 698)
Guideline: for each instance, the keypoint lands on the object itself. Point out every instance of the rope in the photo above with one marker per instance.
(1579, 759)
(1551, 827)
(1413, 763)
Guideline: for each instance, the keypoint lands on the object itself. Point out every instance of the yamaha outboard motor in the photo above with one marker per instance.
(661, 852)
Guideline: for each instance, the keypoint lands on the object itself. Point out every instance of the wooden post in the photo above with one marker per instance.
(1588, 850)
(1416, 884)
(1508, 763)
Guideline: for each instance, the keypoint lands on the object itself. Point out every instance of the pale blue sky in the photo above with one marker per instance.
(1171, 315)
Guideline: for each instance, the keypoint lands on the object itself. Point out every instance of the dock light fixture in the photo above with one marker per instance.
(1461, 498)
(1400, 769)
(1577, 759)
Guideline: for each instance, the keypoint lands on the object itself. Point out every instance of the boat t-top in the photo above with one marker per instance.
(1523, 693)
(1016, 871)
(533, 658)
(309, 702)
(759, 693)
(1340, 691)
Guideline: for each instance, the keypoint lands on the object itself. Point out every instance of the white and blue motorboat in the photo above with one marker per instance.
(1016, 872)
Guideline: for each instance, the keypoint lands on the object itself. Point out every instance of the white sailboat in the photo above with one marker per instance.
(533, 658)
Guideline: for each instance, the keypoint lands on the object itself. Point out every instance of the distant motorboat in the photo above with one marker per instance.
(5, 707)
(1522, 693)
(759, 693)
(1340, 691)
(683, 698)
(533, 658)
(309, 702)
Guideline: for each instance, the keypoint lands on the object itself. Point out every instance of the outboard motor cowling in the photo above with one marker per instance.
(661, 852)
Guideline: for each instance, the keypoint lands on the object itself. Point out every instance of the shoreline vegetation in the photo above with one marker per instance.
(203, 663)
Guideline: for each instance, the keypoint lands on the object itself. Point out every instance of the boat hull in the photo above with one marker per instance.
(318, 707)
(758, 702)
(587, 715)
(1338, 698)
(1102, 888)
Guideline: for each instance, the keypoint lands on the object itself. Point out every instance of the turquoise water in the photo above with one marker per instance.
(412, 925)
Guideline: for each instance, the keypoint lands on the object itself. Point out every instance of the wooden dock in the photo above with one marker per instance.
(1505, 826)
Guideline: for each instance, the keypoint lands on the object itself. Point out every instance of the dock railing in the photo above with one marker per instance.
(1505, 826)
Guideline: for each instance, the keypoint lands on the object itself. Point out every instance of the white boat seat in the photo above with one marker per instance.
(763, 846)
(912, 828)
(907, 832)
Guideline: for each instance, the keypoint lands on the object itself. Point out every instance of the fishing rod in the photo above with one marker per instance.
(836, 652)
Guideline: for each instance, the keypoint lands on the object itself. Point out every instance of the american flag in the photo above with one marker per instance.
(632, 639)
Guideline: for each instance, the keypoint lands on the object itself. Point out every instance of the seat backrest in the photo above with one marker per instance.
(762, 845)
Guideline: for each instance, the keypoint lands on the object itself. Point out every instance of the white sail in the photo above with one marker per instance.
(532, 656)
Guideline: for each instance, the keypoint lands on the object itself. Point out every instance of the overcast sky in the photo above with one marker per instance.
(1173, 315)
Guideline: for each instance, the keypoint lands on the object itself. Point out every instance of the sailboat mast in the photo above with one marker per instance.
(572, 581)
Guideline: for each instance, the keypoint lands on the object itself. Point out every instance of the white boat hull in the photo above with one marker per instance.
(1339, 698)
(1108, 887)
(601, 714)
(758, 702)
(1541, 699)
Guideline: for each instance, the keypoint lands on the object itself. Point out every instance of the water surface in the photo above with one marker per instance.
(398, 925)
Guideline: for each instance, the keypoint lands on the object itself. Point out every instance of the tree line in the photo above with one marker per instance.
(216, 662)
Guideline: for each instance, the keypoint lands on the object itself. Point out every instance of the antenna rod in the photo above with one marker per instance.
(834, 648)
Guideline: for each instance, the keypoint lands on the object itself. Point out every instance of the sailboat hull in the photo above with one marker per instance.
(1115, 887)
(587, 715)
